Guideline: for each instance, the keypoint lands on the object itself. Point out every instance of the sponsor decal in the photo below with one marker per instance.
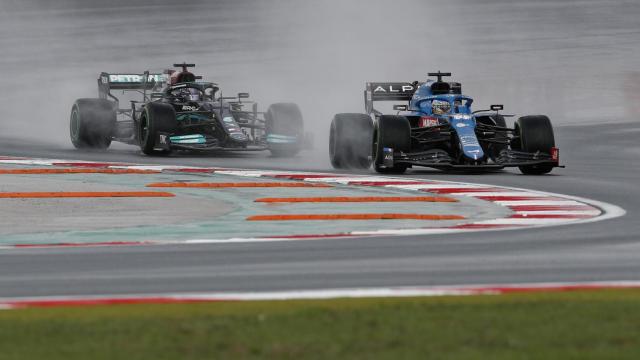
(393, 89)
(163, 139)
(461, 125)
(133, 78)
(188, 139)
(189, 108)
(387, 158)
(462, 117)
(228, 119)
(469, 141)
(428, 121)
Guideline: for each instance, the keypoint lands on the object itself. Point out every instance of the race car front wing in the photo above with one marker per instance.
(199, 142)
(440, 159)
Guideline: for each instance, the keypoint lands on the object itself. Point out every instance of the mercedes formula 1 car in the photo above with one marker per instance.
(174, 110)
(436, 128)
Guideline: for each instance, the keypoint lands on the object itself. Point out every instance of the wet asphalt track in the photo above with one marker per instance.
(608, 250)
(527, 53)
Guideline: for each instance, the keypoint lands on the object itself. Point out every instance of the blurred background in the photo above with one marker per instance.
(577, 61)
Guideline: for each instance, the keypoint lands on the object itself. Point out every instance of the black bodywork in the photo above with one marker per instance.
(210, 122)
(202, 120)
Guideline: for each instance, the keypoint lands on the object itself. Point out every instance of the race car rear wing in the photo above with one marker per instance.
(388, 91)
(147, 81)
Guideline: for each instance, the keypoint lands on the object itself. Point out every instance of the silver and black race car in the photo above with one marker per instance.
(175, 110)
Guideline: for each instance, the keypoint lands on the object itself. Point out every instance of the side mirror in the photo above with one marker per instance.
(496, 107)
(243, 95)
(400, 107)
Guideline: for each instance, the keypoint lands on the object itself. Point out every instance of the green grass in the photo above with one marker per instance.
(575, 325)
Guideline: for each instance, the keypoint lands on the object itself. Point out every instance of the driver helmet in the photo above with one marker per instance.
(440, 107)
(181, 77)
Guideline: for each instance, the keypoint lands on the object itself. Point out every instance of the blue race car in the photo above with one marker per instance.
(437, 128)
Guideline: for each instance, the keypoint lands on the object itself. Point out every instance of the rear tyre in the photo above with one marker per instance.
(284, 129)
(155, 119)
(391, 131)
(92, 123)
(349, 141)
(536, 134)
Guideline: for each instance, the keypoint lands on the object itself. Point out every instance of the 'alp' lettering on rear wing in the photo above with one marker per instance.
(388, 91)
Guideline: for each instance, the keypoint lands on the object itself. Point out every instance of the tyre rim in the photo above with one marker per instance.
(375, 149)
(144, 129)
(332, 141)
(75, 124)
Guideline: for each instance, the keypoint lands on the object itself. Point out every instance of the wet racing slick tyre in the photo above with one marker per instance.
(92, 123)
(156, 118)
(392, 132)
(536, 134)
(284, 129)
(350, 141)
(493, 149)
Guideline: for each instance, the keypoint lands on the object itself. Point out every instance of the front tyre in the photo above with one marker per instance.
(92, 123)
(156, 118)
(349, 141)
(536, 134)
(284, 129)
(394, 132)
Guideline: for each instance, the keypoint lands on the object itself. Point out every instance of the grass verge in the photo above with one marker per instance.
(570, 325)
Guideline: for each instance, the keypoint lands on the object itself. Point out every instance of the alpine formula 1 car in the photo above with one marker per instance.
(174, 110)
(438, 129)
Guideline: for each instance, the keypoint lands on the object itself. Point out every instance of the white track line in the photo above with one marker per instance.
(320, 294)
(500, 193)
(595, 212)
(540, 202)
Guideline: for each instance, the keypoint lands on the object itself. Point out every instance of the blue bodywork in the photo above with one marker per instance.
(460, 116)
(436, 127)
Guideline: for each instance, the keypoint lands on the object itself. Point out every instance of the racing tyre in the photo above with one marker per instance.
(536, 134)
(349, 141)
(392, 131)
(155, 119)
(284, 129)
(92, 123)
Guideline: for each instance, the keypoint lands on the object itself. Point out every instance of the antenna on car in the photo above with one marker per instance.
(439, 75)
